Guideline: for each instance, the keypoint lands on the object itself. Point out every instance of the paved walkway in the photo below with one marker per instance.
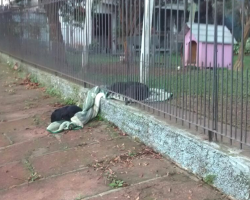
(97, 162)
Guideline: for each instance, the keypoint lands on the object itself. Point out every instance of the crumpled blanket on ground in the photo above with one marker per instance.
(156, 95)
(90, 110)
(92, 104)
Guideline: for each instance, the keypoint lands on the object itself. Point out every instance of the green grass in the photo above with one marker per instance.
(80, 197)
(33, 79)
(33, 174)
(191, 82)
(99, 118)
(116, 183)
(246, 61)
(209, 179)
(53, 92)
(103, 59)
(69, 101)
(36, 120)
(201, 81)
(160, 59)
(132, 154)
(75, 59)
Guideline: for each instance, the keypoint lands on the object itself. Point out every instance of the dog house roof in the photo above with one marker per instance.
(209, 29)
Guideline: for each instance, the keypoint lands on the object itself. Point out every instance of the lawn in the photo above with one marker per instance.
(193, 88)
(190, 80)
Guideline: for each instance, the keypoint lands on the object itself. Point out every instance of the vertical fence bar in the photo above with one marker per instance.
(176, 61)
(206, 66)
(152, 65)
(198, 67)
(165, 47)
(236, 105)
(242, 68)
(183, 60)
(126, 39)
(222, 69)
(170, 58)
(247, 94)
(122, 38)
(215, 74)
(190, 64)
(159, 79)
(232, 72)
(148, 56)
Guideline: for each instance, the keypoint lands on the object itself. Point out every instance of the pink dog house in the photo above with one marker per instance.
(202, 52)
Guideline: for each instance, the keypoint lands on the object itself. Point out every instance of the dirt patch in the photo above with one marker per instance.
(28, 83)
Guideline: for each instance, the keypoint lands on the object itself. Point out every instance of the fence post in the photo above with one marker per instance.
(87, 33)
(215, 76)
(146, 38)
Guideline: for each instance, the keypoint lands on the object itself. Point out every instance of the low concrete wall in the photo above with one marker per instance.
(229, 173)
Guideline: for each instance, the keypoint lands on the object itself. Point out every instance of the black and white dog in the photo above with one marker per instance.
(134, 90)
(65, 113)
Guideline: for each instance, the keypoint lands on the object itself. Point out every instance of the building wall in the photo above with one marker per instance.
(73, 35)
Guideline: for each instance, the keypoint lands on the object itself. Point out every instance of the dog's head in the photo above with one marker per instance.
(56, 116)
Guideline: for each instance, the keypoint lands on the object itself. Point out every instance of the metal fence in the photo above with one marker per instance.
(196, 50)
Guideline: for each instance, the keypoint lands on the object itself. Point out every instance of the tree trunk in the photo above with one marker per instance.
(55, 33)
(129, 19)
(238, 65)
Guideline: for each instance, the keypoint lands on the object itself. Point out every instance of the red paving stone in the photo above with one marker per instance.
(78, 164)
(142, 169)
(13, 174)
(19, 125)
(25, 135)
(61, 162)
(14, 116)
(97, 135)
(163, 189)
(4, 141)
(19, 97)
(27, 105)
(25, 149)
(87, 135)
(78, 157)
(67, 187)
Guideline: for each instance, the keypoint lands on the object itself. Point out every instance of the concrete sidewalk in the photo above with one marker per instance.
(97, 162)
